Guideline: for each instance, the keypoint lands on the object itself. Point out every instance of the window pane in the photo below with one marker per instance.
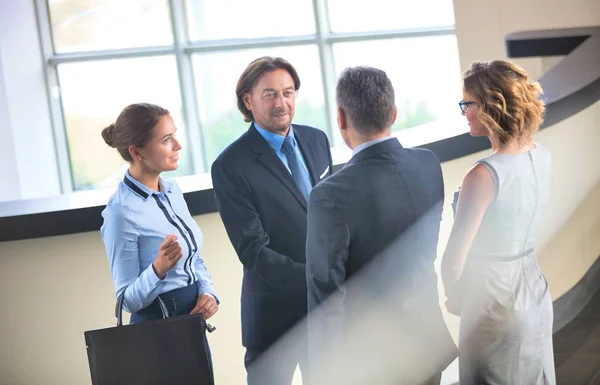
(226, 19)
(426, 77)
(379, 15)
(87, 25)
(93, 95)
(216, 78)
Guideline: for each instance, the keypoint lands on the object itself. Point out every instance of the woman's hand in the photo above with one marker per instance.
(206, 304)
(453, 305)
(169, 253)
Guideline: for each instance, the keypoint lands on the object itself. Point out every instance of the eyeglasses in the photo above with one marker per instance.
(463, 105)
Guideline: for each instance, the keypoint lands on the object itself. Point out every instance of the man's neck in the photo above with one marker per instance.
(362, 139)
(283, 133)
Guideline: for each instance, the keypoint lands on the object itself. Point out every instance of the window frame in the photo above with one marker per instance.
(183, 49)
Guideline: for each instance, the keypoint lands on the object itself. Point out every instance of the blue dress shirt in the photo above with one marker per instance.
(276, 141)
(136, 221)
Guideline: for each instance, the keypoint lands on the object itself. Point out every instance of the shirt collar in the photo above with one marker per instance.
(275, 140)
(368, 144)
(143, 191)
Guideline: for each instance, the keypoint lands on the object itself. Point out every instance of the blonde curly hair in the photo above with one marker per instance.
(509, 104)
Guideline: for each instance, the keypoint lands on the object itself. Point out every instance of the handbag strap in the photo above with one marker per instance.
(119, 308)
(163, 309)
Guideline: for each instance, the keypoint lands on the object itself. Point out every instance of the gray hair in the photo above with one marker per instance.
(366, 96)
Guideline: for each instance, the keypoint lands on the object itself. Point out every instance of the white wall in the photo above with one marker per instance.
(482, 25)
(28, 170)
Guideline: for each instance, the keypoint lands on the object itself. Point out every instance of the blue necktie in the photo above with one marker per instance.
(299, 173)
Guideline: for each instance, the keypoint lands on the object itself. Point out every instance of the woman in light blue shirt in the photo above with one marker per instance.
(152, 241)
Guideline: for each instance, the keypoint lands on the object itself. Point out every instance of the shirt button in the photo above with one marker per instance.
(172, 216)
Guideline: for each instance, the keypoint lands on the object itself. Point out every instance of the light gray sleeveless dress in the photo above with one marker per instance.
(506, 316)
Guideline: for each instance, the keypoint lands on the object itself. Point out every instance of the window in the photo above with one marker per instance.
(425, 74)
(187, 55)
(88, 25)
(236, 19)
(94, 93)
(381, 15)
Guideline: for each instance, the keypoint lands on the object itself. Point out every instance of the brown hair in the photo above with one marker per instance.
(253, 72)
(133, 127)
(508, 102)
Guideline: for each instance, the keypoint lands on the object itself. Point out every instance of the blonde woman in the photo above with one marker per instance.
(490, 269)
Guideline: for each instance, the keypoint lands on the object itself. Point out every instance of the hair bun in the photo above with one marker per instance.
(107, 135)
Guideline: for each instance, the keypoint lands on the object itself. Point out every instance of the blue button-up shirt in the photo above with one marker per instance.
(276, 141)
(136, 221)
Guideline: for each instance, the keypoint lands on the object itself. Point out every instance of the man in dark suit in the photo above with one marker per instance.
(374, 314)
(261, 183)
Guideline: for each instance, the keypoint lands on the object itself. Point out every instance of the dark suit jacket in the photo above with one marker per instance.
(371, 244)
(264, 214)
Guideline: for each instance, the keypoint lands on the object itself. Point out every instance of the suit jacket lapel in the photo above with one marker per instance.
(308, 152)
(267, 156)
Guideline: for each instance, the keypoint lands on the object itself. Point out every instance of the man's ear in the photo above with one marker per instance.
(247, 101)
(342, 119)
(395, 115)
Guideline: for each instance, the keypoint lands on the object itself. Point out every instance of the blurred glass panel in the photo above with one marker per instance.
(227, 19)
(88, 25)
(93, 95)
(381, 15)
(425, 74)
(216, 78)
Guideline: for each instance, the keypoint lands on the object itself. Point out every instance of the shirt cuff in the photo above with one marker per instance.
(151, 280)
(209, 290)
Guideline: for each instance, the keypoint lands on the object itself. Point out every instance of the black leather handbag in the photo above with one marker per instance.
(173, 350)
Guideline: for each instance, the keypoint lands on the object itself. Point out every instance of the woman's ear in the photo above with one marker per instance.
(134, 153)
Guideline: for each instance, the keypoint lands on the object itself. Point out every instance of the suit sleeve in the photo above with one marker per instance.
(327, 245)
(205, 283)
(328, 147)
(246, 233)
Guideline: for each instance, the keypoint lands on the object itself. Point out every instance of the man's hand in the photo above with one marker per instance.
(206, 304)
